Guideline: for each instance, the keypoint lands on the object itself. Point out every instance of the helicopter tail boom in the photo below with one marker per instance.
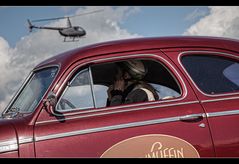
(31, 26)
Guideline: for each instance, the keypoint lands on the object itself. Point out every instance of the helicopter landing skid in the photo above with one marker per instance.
(72, 40)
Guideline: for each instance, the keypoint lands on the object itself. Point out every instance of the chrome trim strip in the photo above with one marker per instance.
(6, 146)
(209, 53)
(134, 124)
(223, 113)
(113, 127)
(25, 140)
(182, 96)
(48, 66)
(4, 143)
(114, 112)
(92, 86)
(222, 99)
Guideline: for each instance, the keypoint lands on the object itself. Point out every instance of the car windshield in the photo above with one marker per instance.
(33, 91)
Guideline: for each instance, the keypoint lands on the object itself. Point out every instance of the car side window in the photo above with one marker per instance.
(213, 74)
(78, 93)
(158, 76)
(100, 92)
(89, 87)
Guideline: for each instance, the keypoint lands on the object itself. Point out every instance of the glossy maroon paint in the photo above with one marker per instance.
(203, 135)
(223, 128)
(41, 134)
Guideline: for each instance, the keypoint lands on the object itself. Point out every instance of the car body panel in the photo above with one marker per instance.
(221, 109)
(8, 139)
(75, 128)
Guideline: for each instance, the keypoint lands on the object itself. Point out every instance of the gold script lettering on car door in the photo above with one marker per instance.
(152, 146)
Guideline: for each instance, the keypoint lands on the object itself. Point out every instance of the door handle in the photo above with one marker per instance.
(191, 118)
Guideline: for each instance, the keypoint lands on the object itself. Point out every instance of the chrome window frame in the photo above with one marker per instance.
(158, 59)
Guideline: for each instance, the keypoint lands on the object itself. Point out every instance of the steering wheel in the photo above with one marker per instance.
(64, 102)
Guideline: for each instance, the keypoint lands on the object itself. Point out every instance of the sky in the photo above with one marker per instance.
(146, 21)
(21, 50)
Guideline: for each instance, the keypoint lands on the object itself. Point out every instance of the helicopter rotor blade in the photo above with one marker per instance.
(49, 19)
(100, 10)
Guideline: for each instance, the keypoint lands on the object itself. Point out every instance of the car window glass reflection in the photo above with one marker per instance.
(232, 73)
(78, 93)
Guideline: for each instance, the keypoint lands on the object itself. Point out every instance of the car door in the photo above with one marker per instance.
(174, 127)
(215, 76)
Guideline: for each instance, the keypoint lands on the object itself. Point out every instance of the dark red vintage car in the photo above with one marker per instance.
(61, 111)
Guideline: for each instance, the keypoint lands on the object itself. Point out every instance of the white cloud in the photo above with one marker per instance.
(16, 62)
(4, 59)
(221, 21)
(197, 13)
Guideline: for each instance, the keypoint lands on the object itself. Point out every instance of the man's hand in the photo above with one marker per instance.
(119, 85)
(111, 87)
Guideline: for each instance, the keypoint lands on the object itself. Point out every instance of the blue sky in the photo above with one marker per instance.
(163, 21)
(13, 20)
(149, 21)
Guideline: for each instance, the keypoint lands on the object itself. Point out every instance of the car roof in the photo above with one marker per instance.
(124, 45)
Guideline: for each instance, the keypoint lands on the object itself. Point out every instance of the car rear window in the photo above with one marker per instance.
(213, 74)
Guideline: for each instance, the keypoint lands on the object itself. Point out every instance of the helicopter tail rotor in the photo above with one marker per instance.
(30, 26)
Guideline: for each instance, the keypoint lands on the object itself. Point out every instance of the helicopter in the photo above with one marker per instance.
(69, 31)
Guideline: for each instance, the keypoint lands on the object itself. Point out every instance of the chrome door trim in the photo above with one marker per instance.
(114, 112)
(113, 127)
(222, 113)
(219, 99)
(11, 145)
(25, 140)
(133, 124)
(7, 146)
